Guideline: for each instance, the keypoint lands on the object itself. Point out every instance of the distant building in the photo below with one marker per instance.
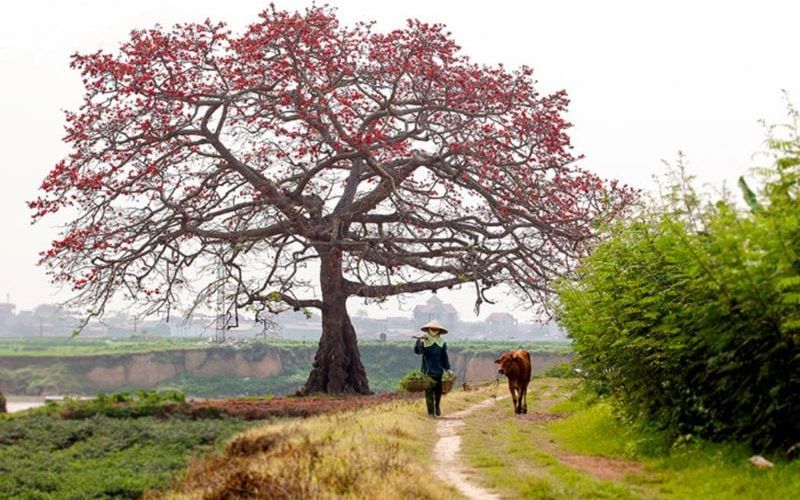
(398, 323)
(434, 308)
(501, 322)
(6, 309)
(368, 327)
(7, 312)
(548, 332)
(25, 323)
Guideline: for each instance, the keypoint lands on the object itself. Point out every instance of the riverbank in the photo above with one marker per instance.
(222, 371)
(17, 403)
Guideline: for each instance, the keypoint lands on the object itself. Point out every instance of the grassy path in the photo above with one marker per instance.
(515, 456)
(568, 449)
(384, 451)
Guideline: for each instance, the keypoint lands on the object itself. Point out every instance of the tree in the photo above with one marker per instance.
(203, 161)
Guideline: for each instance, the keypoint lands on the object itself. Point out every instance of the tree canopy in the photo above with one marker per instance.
(391, 159)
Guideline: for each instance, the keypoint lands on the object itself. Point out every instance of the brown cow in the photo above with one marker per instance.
(516, 365)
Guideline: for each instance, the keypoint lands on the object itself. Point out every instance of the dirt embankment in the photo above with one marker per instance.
(147, 370)
(95, 373)
(473, 368)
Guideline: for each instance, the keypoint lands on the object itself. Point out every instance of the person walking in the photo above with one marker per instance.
(435, 362)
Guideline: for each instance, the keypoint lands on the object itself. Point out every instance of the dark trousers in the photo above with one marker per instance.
(433, 396)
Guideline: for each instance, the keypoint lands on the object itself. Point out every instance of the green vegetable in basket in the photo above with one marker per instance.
(415, 378)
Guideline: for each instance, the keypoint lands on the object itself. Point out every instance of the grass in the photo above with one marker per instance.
(43, 456)
(212, 386)
(82, 346)
(511, 454)
(529, 457)
(483, 347)
(124, 445)
(79, 346)
(688, 469)
(379, 452)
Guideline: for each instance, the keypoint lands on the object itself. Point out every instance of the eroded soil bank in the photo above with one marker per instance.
(281, 369)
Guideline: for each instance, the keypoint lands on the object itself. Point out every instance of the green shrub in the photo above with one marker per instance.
(211, 386)
(566, 369)
(120, 405)
(688, 313)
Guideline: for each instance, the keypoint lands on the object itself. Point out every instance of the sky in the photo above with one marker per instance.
(646, 80)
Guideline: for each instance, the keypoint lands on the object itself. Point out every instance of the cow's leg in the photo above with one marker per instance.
(517, 400)
(524, 397)
(513, 394)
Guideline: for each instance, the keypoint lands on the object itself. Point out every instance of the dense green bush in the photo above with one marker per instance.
(688, 313)
(214, 386)
(567, 369)
(119, 405)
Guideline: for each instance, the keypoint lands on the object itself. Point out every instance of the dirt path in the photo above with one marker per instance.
(447, 453)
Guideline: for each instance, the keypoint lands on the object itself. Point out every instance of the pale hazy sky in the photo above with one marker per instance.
(646, 80)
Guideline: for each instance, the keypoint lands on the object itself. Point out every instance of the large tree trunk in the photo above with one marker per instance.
(2, 403)
(337, 364)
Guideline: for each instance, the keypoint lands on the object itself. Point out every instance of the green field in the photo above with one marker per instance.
(81, 346)
(43, 456)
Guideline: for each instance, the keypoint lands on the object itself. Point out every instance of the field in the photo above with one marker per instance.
(126, 445)
(569, 445)
(82, 346)
(44, 456)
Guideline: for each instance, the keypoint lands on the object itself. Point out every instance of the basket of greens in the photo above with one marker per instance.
(448, 379)
(415, 381)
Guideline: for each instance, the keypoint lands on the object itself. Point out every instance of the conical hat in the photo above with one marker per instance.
(434, 324)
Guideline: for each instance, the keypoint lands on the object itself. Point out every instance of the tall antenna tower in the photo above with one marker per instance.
(222, 313)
